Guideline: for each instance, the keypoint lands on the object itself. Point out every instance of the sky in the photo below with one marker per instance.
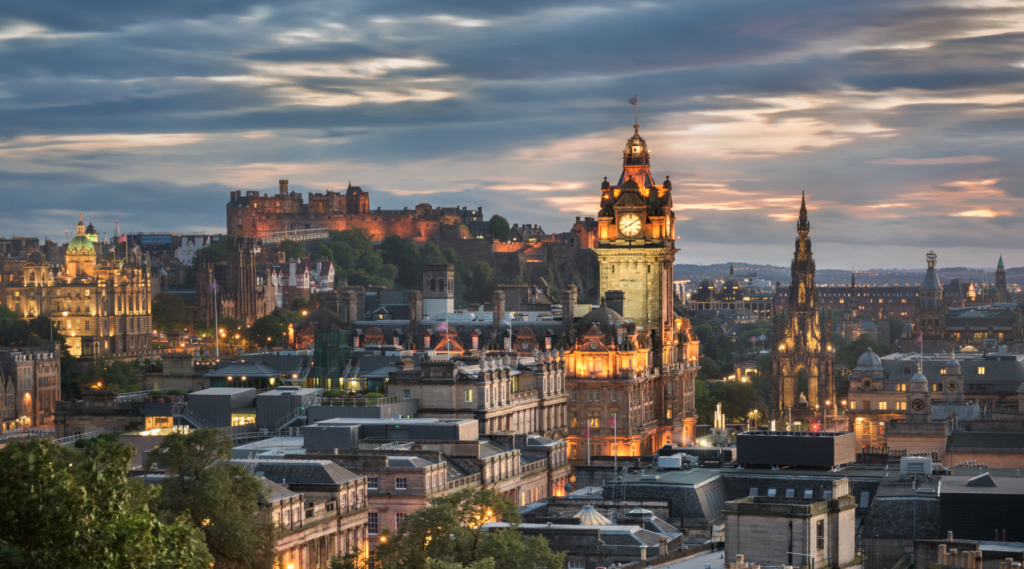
(903, 121)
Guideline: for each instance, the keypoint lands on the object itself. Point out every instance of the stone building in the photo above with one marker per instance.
(732, 295)
(769, 528)
(803, 336)
(504, 393)
(253, 215)
(438, 289)
(29, 386)
(320, 508)
(100, 300)
(241, 293)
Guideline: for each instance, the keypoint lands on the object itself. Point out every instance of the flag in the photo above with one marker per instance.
(632, 101)
(613, 421)
(588, 430)
(122, 239)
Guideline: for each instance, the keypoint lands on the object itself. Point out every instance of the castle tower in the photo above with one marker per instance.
(636, 245)
(803, 336)
(438, 289)
(1004, 293)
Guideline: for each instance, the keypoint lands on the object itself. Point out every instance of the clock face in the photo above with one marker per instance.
(951, 386)
(525, 345)
(918, 404)
(593, 345)
(630, 225)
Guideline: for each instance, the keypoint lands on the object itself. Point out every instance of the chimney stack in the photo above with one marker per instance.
(568, 308)
(283, 184)
(498, 310)
(615, 300)
(415, 310)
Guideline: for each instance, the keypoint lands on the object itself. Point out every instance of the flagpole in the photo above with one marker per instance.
(216, 325)
(615, 444)
(588, 441)
(636, 109)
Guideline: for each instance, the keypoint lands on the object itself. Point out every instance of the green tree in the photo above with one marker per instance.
(267, 331)
(14, 330)
(322, 251)
(738, 398)
(292, 249)
(67, 508)
(107, 372)
(215, 252)
(405, 255)
(483, 283)
(170, 314)
(220, 498)
(498, 228)
(446, 533)
(896, 325)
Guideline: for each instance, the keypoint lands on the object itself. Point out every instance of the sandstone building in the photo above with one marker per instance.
(803, 340)
(242, 292)
(100, 300)
(254, 215)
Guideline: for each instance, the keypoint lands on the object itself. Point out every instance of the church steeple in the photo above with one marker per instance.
(803, 226)
(636, 163)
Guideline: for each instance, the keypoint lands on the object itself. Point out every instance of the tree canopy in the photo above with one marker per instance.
(498, 228)
(221, 499)
(215, 252)
(268, 331)
(446, 534)
(170, 314)
(69, 508)
(356, 260)
(292, 249)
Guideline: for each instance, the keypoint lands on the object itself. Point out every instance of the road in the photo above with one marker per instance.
(698, 562)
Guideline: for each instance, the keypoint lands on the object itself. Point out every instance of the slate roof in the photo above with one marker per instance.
(407, 462)
(942, 411)
(274, 492)
(305, 472)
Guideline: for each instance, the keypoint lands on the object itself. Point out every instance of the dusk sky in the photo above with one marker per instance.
(902, 120)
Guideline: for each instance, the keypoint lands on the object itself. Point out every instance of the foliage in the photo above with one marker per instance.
(445, 534)
(483, 285)
(738, 398)
(498, 228)
(322, 251)
(216, 252)
(356, 260)
(267, 331)
(896, 325)
(66, 508)
(170, 313)
(14, 331)
(220, 498)
(110, 373)
(292, 249)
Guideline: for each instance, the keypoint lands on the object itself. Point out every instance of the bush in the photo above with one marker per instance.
(374, 395)
(333, 393)
(176, 392)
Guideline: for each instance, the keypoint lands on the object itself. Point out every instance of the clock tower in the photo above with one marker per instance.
(636, 245)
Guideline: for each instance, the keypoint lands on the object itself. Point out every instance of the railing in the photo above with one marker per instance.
(78, 407)
(90, 435)
(180, 410)
(123, 397)
(535, 465)
(299, 411)
(358, 401)
(464, 481)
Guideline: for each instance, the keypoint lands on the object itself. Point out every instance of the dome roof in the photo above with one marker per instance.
(953, 362)
(588, 516)
(869, 361)
(606, 320)
(36, 257)
(732, 283)
(81, 244)
(322, 318)
(866, 325)
(706, 283)
(919, 381)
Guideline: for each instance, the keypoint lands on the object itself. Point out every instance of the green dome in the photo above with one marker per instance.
(81, 244)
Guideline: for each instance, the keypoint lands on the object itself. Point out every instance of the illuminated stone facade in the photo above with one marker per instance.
(803, 341)
(242, 293)
(252, 214)
(100, 301)
(631, 363)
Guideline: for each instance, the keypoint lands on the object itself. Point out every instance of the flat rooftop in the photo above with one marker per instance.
(404, 422)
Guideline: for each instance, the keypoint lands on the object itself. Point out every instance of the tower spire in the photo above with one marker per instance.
(803, 223)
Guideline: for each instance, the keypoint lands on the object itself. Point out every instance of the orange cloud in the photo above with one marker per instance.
(971, 159)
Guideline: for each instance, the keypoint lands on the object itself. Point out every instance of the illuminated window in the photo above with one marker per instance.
(469, 396)
(594, 419)
(668, 414)
(981, 370)
(882, 405)
(853, 404)
(901, 405)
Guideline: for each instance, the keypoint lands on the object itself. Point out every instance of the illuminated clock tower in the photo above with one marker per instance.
(636, 245)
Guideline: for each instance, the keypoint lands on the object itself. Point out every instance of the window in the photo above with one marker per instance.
(593, 394)
(614, 395)
(406, 394)
(469, 396)
(981, 370)
(901, 405)
(399, 518)
(883, 405)
(594, 419)
(575, 564)
(942, 371)
(401, 483)
(853, 405)
(907, 370)
(573, 419)
(771, 492)
(821, 534)
(573, 393)
(790, 492)
(371, 525)
(753, 492)
(668, 414)
(371, 483)
(808, 494)
(865, 405)
(881, 428)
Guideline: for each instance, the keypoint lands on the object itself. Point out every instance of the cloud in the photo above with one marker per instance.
(970, 159)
